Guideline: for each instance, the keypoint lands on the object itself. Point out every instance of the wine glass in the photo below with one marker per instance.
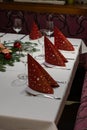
(41, 44)
(49, 28)
(17, 25)
(25, 50)
(22, 78)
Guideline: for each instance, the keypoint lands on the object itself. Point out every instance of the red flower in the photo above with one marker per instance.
(8, 56)
(17, 44)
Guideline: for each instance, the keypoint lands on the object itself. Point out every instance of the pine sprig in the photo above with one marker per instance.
(15, 56)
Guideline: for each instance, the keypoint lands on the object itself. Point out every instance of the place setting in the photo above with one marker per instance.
(40, 83)
(53, 58)
(37, 75)
(37, 80)
(12, 37)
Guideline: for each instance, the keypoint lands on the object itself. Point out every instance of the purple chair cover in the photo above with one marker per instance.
(81, 118)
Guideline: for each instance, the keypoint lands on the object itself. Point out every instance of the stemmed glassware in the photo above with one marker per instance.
(49, 30)
(17, 25)
(22, 77)
(25, 50)
(41, 44)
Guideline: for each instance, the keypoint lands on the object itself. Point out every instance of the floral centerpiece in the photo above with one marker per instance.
(9, 54)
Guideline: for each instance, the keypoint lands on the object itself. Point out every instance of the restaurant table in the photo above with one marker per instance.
(20, 111)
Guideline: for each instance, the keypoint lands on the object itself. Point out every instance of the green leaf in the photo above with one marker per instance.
(16, 55)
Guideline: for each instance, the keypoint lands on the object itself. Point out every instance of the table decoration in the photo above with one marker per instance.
(38, 78)
(18, 110)
(10, 53)
(25, 50)
(31, 92)
(47, 65)
(52, 55)
(35, 32)
(49, 27)
(61, 42)
(17, 24)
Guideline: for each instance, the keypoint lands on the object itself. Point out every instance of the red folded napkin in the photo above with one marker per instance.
(38, 77)
(52, 55)
(61, 42)
(35, 32)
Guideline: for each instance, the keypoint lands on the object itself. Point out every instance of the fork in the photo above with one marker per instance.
(44, 95)
(47, 66)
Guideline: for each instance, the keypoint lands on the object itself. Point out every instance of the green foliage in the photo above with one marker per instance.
(15, 54)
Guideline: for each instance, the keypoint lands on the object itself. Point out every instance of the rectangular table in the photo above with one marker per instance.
(19, 111)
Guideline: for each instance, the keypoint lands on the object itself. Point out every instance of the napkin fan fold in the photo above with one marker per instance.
(38, 77)
(52, 55)
(61, 42)
(35, 32)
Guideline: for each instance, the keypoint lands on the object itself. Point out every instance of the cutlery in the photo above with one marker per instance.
(48, 66)
(22, 37)
(75, 45)
(62, 82)
(44, 95)
(70, 59)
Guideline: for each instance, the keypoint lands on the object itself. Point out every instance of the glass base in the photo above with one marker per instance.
(22, 76)
(40, 57)
(18, 82)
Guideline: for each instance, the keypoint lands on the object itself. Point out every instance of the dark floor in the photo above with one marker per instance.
(76, 88)
(68, 117)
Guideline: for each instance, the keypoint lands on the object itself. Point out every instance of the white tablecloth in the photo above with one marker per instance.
(19, 111)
